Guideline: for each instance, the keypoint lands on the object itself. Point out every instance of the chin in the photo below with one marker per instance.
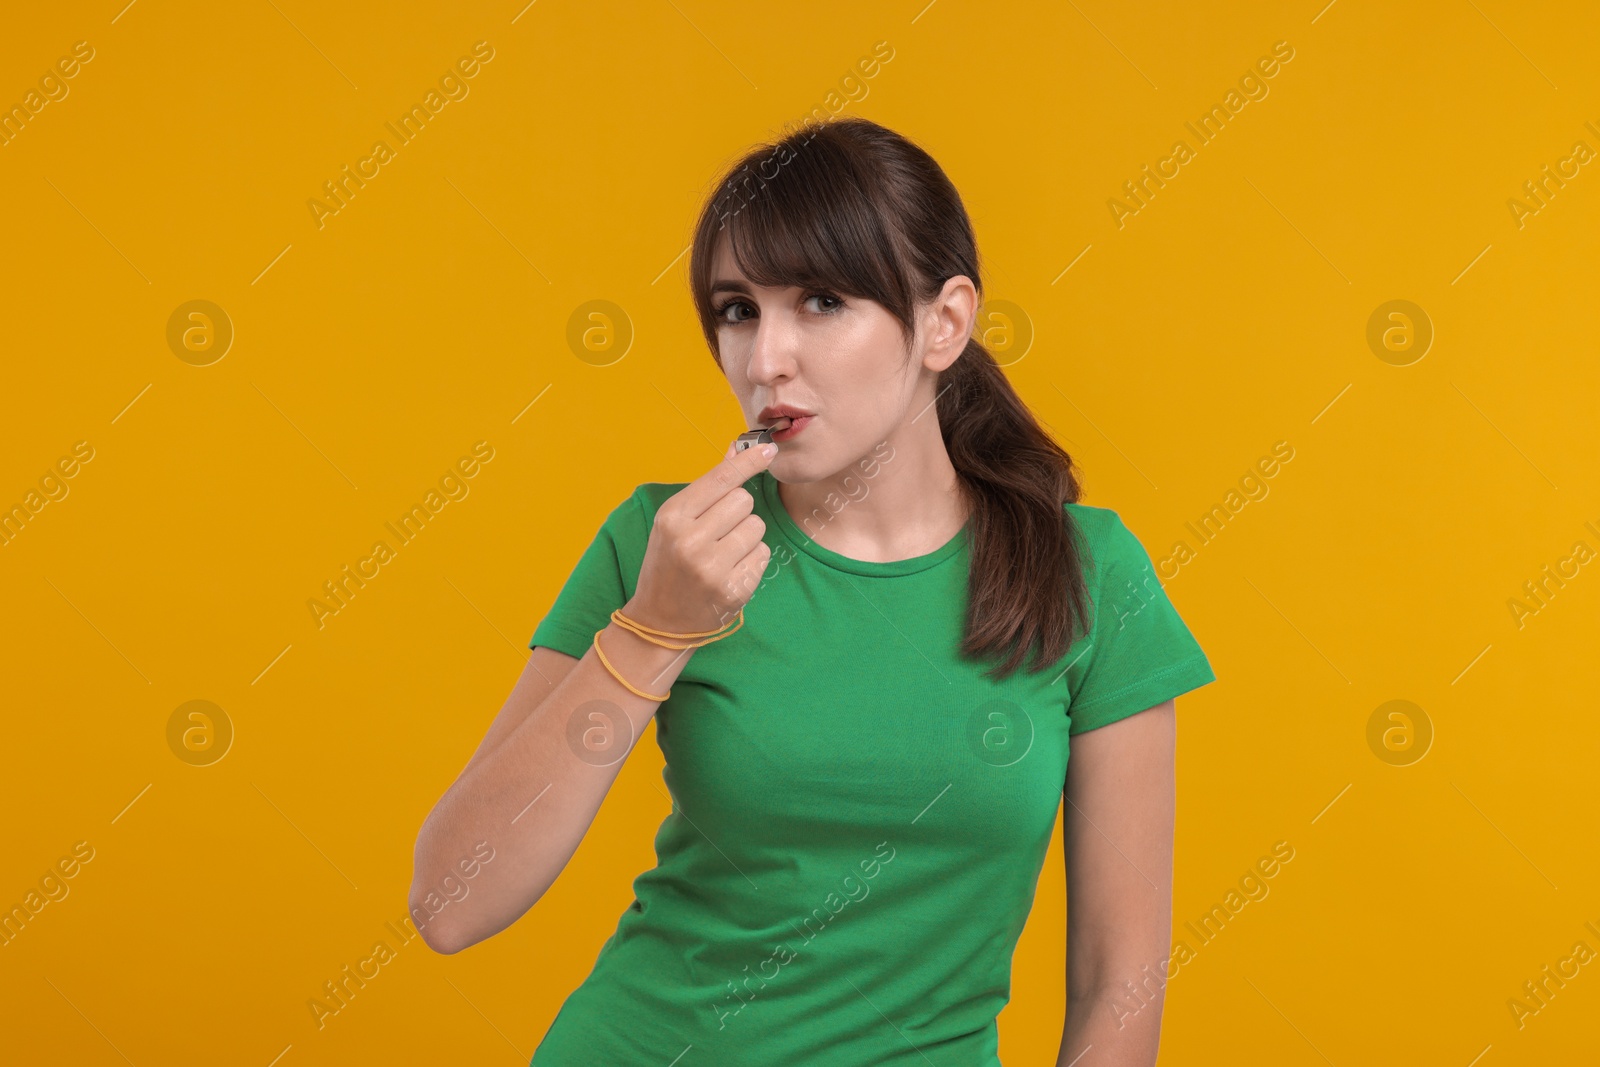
(796, 469)
(793, 470)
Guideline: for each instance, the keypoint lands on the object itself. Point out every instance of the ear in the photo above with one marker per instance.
(949, 320)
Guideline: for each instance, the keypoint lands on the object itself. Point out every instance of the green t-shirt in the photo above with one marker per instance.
(859, 816)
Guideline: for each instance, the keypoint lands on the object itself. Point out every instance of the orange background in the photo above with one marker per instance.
(431, 312)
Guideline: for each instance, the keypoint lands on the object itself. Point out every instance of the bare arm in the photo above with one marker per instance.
(531, 790)
(1117, 830)
(527, 794)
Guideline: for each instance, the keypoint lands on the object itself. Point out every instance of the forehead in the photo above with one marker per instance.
(724, 268)
(722, 264)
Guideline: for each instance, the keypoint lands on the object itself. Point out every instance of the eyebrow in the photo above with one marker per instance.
(725, 284)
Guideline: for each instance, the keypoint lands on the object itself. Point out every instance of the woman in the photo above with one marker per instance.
(864, 780)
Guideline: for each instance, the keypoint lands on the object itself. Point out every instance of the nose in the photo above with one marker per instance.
(773, 352)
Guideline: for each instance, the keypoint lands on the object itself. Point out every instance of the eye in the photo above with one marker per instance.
(837, 303)
(722, 310)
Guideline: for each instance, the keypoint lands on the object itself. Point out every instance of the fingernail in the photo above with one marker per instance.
(769, 449)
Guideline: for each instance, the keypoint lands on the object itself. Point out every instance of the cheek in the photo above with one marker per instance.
(885, 351)
(737, 371)
(735, 347)
(863, 380)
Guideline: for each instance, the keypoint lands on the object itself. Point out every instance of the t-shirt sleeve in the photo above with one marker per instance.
(600, 583)
(1139, 652)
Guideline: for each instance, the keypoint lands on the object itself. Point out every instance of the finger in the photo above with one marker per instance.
(751, 571)
(744, 577)
(741, 540)
(722, 518)
(714, 484)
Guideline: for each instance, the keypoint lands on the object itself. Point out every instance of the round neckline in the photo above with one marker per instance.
(868, 568)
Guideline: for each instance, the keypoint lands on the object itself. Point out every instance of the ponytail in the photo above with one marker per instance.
(1025, 587)
(854, 207)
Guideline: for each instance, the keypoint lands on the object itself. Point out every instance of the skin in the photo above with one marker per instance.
(533, 787)
(845, 359)
(1117, 833)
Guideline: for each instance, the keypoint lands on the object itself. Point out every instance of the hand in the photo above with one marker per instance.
(705, 556)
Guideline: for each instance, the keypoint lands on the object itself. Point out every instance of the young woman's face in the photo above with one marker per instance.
(841, 359)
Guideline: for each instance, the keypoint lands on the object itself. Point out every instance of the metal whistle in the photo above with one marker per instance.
(751, 437)
(760, 436)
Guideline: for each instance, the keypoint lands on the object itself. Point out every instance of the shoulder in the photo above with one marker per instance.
(651, 495)
(1106, 537)
(632, 519)
(1091, 519)
(626, 530)
(1100, 527)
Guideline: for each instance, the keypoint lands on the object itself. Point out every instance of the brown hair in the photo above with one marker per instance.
(854, 208)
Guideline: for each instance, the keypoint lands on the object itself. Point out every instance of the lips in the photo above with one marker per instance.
(793, 427)
(768, 415)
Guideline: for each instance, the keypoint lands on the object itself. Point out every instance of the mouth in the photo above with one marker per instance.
(777, 416)
(786, 427)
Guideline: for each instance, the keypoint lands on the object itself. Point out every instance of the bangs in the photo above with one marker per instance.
(814, 223)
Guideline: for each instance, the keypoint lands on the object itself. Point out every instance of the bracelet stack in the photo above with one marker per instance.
(656, 637)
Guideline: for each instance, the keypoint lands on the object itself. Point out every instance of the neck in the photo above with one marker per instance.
(900, 500)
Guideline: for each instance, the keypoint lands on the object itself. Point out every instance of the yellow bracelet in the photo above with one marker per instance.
(649, 634)
(607, 663)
